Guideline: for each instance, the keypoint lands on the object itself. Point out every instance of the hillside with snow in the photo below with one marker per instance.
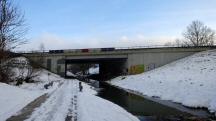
(14, 98)
(190, 81)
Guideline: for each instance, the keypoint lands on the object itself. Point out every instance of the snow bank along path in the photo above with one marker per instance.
(190, 81)
(14, 99)
(66, 103)
(93, 108)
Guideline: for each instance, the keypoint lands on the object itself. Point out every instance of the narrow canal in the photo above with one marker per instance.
(147, 109)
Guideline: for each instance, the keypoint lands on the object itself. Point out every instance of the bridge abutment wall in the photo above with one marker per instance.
(146, 61)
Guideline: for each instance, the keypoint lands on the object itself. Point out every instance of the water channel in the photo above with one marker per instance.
(147, 108)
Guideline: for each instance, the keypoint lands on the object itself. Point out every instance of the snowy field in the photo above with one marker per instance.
(64, 103)
(190, 81)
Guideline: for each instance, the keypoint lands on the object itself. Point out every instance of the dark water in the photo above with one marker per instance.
(148, 109)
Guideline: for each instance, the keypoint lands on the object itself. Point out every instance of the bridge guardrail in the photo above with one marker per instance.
(96, 50)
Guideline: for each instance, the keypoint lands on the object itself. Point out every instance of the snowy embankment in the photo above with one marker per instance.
(45, 77)
(93, 108)
(190, 81)
(14, 99)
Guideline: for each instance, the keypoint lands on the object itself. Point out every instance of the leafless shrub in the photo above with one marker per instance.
(26, 73)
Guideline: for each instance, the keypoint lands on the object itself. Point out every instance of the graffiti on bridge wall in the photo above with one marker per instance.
(150, 66)
(137, 69)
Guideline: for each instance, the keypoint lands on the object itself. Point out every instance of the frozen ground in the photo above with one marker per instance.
(64, 103)
(190, 81)
(93, 108)
(67, 103)
(42, 77)
(94, 70)
(14, 99)
(56, 107)
(71, 74)
(45, 77)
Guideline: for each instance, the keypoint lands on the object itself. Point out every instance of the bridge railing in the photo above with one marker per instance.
(150, 46)
(162, 46)
(32, 51)
(114, 49)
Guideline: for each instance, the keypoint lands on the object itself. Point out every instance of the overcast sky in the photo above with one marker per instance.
(65, 24)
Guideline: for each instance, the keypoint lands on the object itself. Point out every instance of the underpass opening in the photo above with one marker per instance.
(108, 67)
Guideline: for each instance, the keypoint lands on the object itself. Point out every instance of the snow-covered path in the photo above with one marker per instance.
(58, 105)
(68, 104)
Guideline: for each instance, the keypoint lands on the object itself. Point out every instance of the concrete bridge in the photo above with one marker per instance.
(115, 62)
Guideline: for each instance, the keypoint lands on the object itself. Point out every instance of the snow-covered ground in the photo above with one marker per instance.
(56, 107)
(68, 102)
(45, 77)
(71, 74)
(94, 70)
(190, 81)
(64, 101)
(93, 108)
(14, 99)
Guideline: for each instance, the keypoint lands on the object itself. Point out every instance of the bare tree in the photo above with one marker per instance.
(41, 59)
(168, 44)
(178, 42)
(84, 68)
(198, 34)
(175, 43)
(26, 72)
(12, 26)
(42, 47)
(12, 30)
(6, 72)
